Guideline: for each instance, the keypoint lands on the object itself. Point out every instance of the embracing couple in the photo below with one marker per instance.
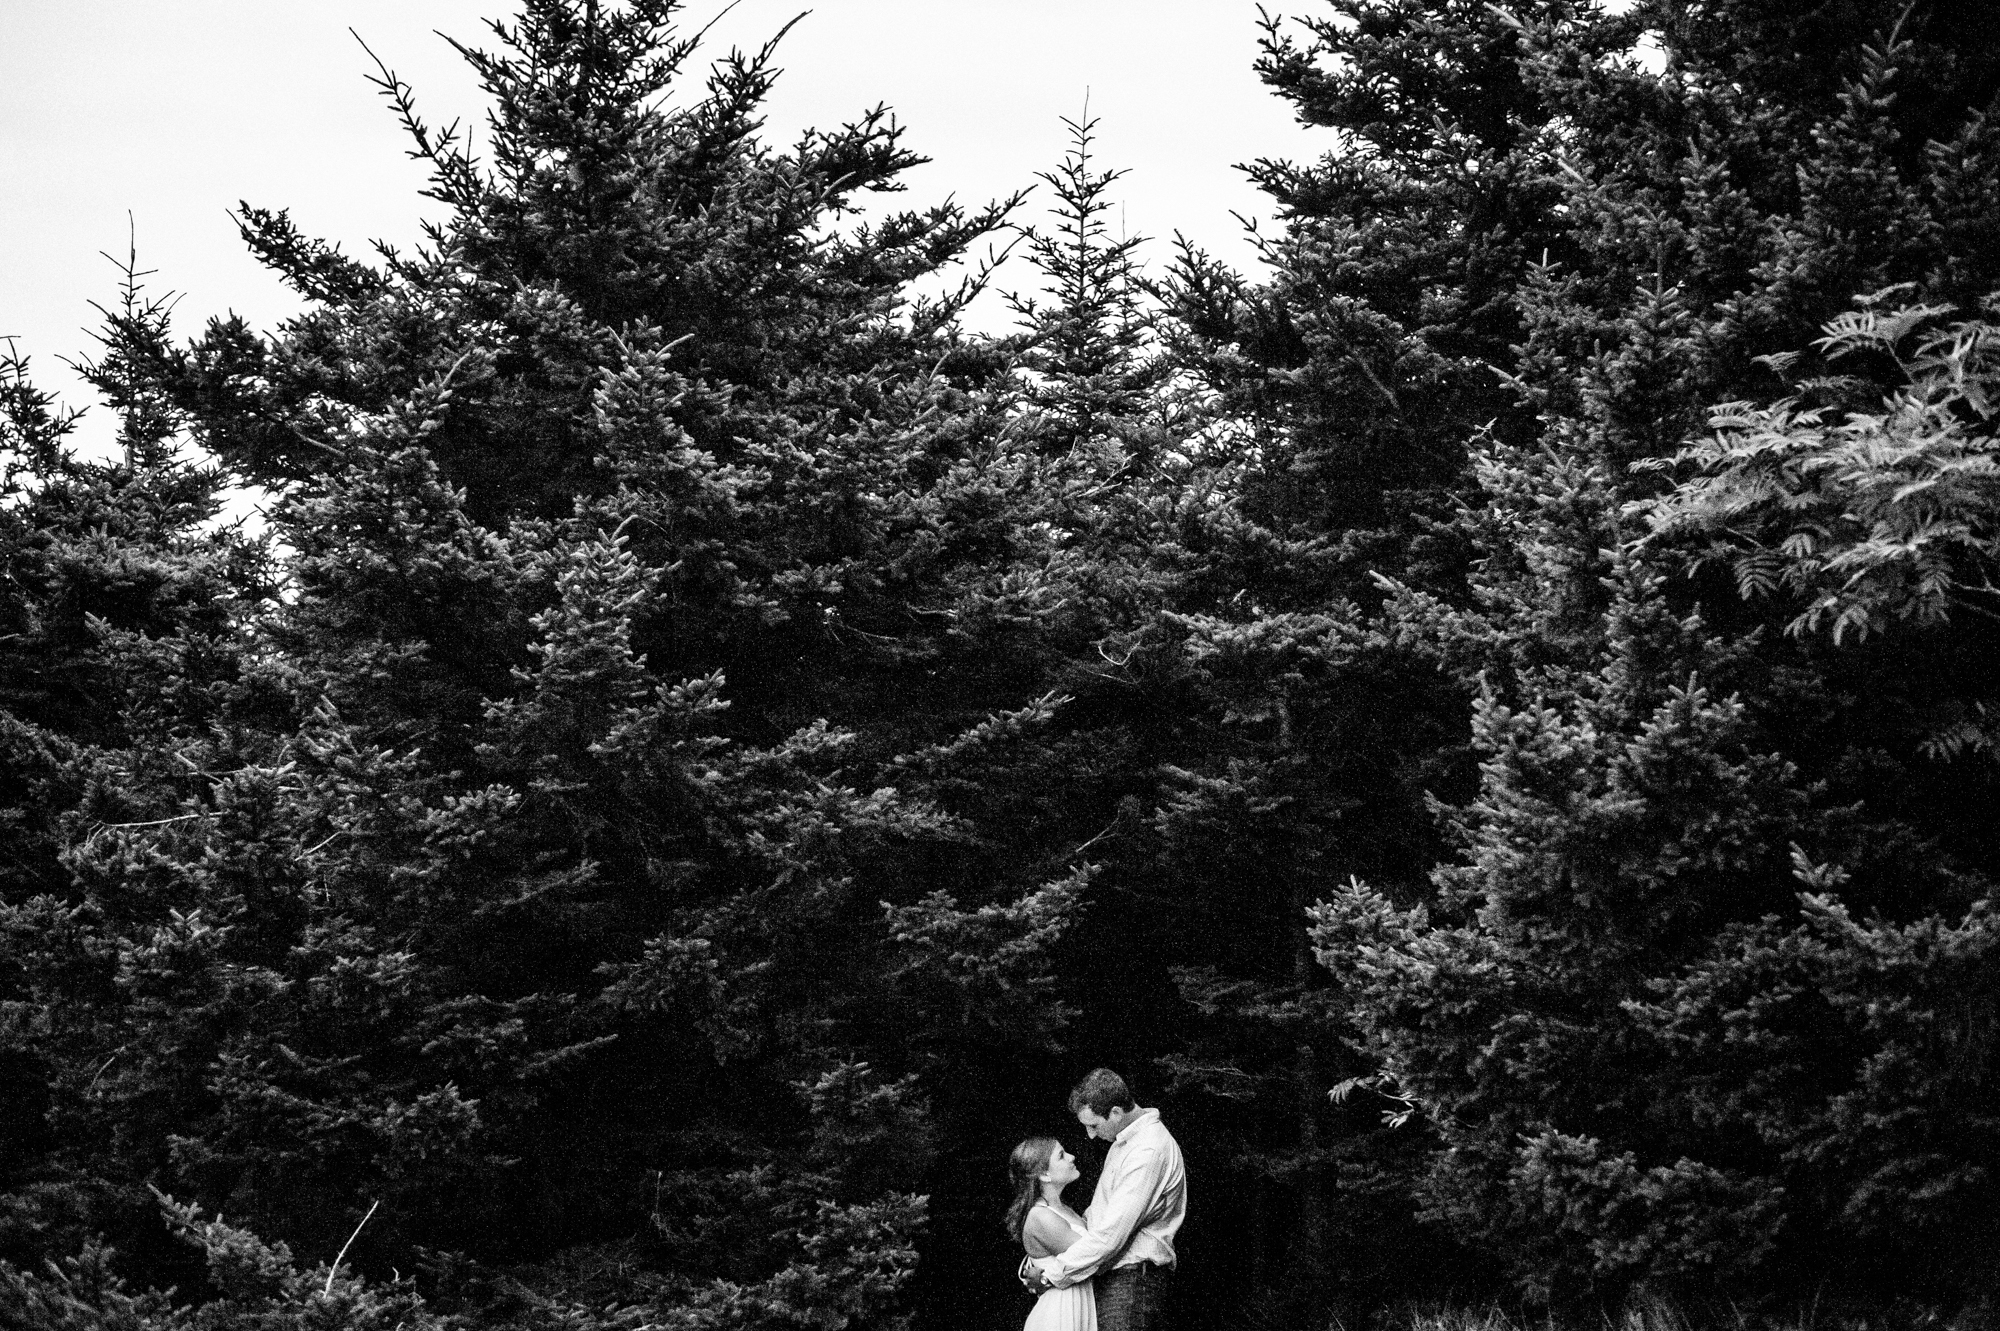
(1107, 1269)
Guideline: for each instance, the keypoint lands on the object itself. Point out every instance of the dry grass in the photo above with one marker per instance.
(1641, 1312)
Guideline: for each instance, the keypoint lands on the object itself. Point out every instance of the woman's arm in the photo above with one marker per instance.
(1047, 1233)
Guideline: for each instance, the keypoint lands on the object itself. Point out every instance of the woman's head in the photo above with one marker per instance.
(1034, 1162)
(1030, 1158)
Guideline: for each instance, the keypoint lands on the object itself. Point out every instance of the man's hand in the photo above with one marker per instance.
(1034, 1274)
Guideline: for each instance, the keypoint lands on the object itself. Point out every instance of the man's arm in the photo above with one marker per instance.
(1111, 1225)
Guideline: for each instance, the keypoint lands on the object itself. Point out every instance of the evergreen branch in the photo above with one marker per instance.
(334, 1270)
(453, 168)
(152, 822)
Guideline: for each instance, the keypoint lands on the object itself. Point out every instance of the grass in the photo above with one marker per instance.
(1647, 1311)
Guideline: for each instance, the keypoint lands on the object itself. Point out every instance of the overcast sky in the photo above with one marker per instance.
(173, 110)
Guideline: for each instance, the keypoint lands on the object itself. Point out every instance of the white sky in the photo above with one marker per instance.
(174, 110)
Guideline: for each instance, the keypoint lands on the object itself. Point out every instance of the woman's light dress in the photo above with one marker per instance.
(1071, 1309)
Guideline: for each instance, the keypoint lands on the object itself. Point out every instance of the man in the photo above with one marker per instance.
(1138, 1207)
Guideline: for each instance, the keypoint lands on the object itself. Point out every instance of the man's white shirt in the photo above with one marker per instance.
(1138, 1207)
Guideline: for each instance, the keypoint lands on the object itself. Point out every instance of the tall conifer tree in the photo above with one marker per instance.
(634, 792)
(1663, 771)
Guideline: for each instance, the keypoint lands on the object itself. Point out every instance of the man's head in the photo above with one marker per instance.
(1102, 1102)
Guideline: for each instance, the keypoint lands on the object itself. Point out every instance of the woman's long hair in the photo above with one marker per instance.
(1024, 1170)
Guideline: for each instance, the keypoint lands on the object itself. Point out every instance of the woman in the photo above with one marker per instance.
(1042, 1223)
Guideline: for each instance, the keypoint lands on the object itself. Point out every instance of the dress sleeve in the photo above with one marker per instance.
(1112, 1224)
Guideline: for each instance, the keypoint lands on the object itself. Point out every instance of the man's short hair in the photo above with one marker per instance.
(1102, 1090)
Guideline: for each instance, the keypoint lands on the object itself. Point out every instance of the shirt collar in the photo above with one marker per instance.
(1139, 1118)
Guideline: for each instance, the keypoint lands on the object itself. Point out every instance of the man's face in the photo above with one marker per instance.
(1104, 1129)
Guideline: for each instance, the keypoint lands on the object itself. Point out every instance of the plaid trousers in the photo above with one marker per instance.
(1132, 1298)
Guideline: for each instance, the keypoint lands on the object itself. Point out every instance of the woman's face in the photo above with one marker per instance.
(1062, 1167)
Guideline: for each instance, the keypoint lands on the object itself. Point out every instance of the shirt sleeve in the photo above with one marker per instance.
(1112, 1225)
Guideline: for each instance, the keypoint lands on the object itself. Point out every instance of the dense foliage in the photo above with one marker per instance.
(1490, 722)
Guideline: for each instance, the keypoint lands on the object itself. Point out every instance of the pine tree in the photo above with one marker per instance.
(1632, 1033)
(123, 604)
(585, 853)
(1351, 380)
(1087, 362)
